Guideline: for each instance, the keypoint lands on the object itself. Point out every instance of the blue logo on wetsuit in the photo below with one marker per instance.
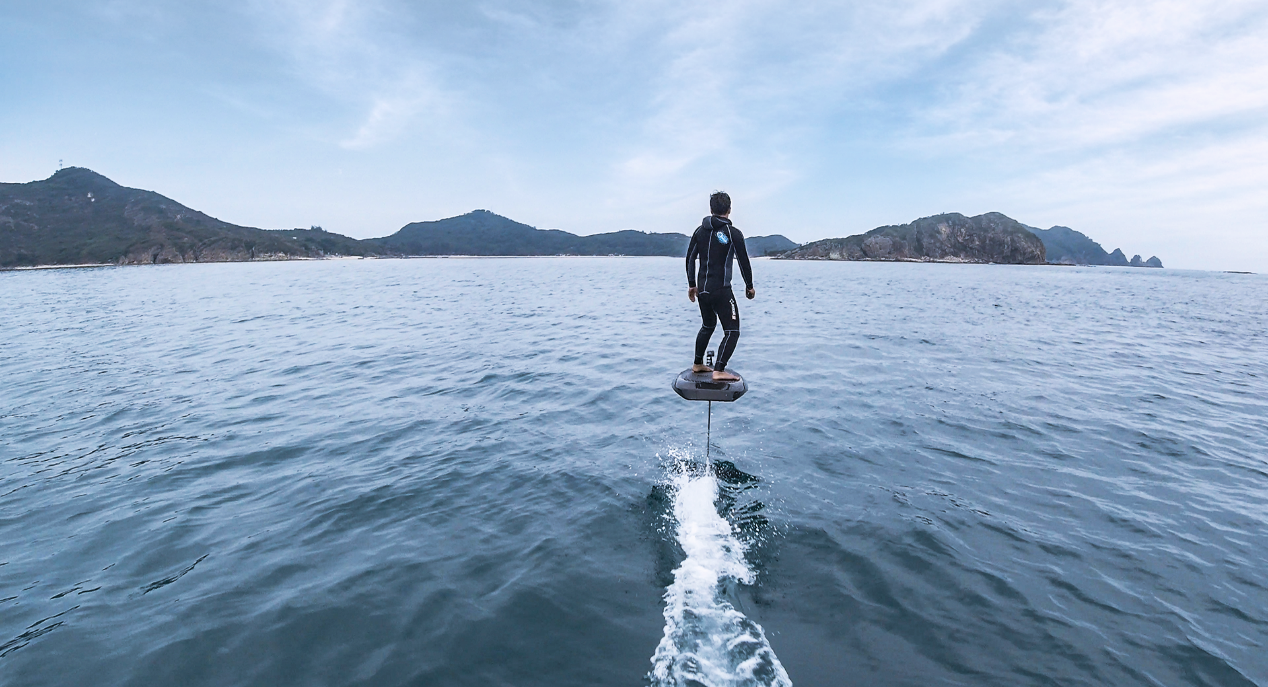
(722, 237)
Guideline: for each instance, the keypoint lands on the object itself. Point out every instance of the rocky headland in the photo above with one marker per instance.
(952, 237)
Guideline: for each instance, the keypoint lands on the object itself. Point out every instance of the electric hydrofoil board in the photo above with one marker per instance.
(699, 386)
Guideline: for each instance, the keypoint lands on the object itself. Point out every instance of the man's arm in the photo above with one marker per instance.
(693, 251)
(741, 254)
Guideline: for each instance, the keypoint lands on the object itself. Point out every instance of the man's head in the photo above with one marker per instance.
(720, 203)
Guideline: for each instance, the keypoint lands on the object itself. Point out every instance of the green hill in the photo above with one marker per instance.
(484, 233)
(78, 216)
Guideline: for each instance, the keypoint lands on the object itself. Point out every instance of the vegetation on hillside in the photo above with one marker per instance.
(80, 217)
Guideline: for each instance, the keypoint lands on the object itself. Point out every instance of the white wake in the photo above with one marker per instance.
(708, 643)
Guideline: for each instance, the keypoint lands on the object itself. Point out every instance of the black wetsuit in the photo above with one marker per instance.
(717, 243)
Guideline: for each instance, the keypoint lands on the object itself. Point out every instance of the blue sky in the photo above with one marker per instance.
(1141, 123)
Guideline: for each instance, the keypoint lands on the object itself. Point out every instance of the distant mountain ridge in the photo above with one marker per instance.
(78, 216)
(1068, 247)
(769, 245)
(481, 232)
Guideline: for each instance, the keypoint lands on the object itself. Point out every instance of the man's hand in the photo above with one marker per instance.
(691, 294)
(750, 293)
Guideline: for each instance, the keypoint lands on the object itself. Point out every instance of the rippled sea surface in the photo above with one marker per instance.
(474, 472)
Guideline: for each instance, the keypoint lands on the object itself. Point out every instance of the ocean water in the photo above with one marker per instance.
(474, 472)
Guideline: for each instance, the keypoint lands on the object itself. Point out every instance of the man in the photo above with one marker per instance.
(716, 243)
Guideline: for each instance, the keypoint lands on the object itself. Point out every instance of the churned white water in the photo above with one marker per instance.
(707, 641)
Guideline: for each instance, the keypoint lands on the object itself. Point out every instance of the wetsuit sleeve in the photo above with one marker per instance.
(693, 251)
(741, 255)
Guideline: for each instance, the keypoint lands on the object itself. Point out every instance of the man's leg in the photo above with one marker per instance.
(729, 312)
(710, 320)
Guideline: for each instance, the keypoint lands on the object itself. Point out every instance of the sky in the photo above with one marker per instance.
(1142, 123)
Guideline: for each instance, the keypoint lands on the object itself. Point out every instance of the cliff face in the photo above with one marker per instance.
(78, 216)
(952, 237)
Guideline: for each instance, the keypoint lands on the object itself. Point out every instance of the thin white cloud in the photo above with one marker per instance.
(404, 106)
(1102, 72)
(147, 18)
(734, 83)
(353, 52)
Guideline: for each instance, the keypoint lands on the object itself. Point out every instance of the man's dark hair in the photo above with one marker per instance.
(719, 203)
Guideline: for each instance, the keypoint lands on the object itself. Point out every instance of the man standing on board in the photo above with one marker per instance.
(716, 243)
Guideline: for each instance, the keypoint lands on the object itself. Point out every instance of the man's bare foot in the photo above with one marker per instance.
(724, 376)
(701, 368)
